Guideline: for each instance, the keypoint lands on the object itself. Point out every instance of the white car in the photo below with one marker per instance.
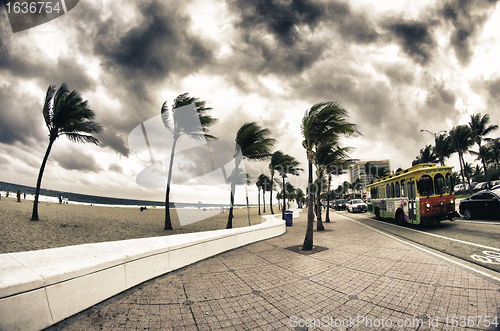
(356, 205)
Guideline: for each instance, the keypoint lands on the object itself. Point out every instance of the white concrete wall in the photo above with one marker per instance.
(41, 288)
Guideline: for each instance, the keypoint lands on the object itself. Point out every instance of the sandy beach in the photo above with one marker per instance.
(67, 224)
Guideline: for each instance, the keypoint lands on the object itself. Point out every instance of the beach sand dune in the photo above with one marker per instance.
(68, 224)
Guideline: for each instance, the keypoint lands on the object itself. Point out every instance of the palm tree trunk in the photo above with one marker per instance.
(308, 240)
(327, 220)
(230, 217)
(34, 215)
(271, 193)
(461, 169)
(233, 189)
(258, 198)
(484, 168)
(319, 224)
(264, 199)
(168, 221)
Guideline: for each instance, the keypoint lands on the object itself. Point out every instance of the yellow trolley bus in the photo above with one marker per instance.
(418, 195)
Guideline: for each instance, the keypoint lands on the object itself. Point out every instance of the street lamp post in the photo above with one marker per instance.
(283, 174)
(434, 134)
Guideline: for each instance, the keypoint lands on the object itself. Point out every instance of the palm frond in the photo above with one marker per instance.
(47, 106)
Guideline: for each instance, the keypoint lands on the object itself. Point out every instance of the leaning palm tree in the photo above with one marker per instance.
(480, 128)
(180, 121)
(282, 163)
(253, 144)
(65, 113)
(334, 159)
(461, 141)
(322, 123)
(443, 148)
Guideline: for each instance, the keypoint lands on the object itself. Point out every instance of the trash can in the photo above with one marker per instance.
(288, 217)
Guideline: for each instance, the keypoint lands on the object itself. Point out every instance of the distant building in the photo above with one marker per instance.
(358, 170)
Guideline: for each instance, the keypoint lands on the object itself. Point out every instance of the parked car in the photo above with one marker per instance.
(480, 186)
(357, 205)
(483, 204)
(340, 204)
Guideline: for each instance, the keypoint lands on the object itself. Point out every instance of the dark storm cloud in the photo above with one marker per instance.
(468, 18)
(276, 34)
(352, 26)
(398, 74)
(112, 138)
(75, 159)
(439, 104)
(28, 62)
(493, 88)
(115, 167)
(415, 38)
(4, 160)
(20, 117)
(156, 47)
(279, 17)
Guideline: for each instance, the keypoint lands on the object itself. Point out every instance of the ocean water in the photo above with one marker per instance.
(76, 198)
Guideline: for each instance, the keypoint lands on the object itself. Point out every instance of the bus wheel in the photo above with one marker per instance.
(467, 214)
(400, 218)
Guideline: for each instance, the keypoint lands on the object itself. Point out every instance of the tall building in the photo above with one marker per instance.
(358, 170)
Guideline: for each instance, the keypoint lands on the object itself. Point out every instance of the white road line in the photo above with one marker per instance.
(436, 235)
(480, 222)
(425, 250)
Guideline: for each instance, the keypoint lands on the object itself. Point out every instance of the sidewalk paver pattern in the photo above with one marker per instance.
(364, 280)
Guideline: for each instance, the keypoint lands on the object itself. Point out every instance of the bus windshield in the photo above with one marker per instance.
(425, 186)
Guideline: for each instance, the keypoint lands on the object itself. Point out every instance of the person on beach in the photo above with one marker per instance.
(19, 196)
(24, 196)
(7, 195)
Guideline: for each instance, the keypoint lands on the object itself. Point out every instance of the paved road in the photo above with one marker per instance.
(474, 241)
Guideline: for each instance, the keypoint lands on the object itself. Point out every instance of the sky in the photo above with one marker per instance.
(396, 66)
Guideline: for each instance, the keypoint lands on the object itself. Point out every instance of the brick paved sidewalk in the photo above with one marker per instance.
(363, 280)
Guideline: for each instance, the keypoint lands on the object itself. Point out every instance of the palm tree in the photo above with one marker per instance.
(282, 163)
(339, 161)
(480, 128)
(494, 147)
(290, 191)
(181, 120)
(443, 148)
(262, 183)
(329, 158)
(461, 141)
(253, 144)
(65, 113)
(299, 196)
(322, 123)
(427, 155)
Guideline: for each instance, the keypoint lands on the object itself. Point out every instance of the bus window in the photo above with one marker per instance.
(376, 192)
(392, 190)
(387, 191)
(403, 188)
(397, 190)
(439, 184)
(424, 186)
(449, 183)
